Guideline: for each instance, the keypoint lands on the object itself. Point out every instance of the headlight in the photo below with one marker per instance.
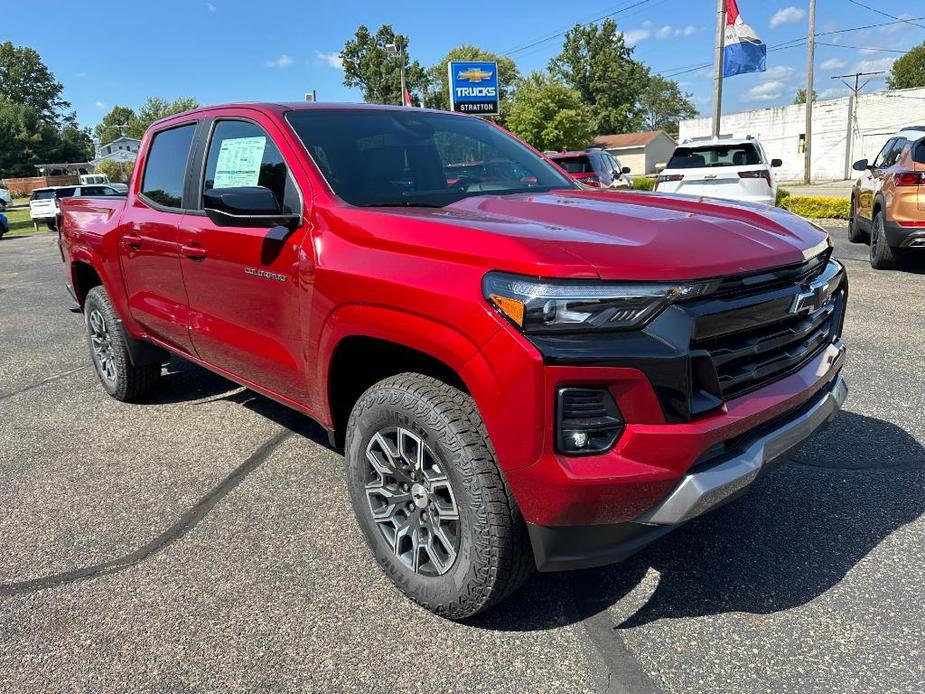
(536, 305)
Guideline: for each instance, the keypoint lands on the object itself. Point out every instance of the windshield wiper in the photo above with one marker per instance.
(403, 204)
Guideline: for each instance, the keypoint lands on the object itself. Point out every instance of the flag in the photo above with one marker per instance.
(406, 98)
(744, 52)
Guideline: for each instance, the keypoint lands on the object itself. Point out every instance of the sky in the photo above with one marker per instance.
(109, 52)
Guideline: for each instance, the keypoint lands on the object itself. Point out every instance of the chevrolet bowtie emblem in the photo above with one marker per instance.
(474, 75)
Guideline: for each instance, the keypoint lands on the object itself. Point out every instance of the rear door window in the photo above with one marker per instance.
(714, 156)
(165, 168)
(879, 162)
(242, 154)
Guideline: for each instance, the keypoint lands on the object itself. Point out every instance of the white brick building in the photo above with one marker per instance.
(835, 147)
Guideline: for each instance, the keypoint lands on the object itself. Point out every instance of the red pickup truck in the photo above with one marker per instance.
(521, 372)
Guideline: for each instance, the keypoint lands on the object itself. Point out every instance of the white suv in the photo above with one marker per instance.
(5, 198)
(732, 169)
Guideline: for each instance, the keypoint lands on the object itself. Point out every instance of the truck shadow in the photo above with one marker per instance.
(792, 538)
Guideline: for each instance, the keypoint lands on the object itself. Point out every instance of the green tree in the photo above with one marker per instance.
(117, 172)
(550, 115)
(596, 62)
(26, 139)
(437, 94)
(27, 81)
(108, 129)
(153, 109)
(376, 70)
(664, 105)
(800, 97)
(909, 71)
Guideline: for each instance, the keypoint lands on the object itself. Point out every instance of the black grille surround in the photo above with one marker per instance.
(751, 330)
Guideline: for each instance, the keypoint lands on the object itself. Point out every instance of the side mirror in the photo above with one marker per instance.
(861, 165)
(626, 170)
(777, 163)
(247, 206)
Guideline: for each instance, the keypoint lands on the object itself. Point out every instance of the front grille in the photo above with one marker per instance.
(753, 338)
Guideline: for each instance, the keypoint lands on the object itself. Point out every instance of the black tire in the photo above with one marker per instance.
(882, 255)
(107, 341)
(493, 557)
(855, 233)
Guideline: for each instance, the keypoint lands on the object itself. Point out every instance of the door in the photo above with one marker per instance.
(148, 246)
(870, 181)
(244, 283)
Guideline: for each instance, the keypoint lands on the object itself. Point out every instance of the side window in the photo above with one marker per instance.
(897, 151)
(165, 168)
(884, 154)
(242, 154)
(918, 152)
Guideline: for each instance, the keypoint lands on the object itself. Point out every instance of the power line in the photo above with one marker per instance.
(861, 48)
(885, 14)
(556, 35)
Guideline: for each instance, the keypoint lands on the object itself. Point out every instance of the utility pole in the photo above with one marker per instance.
(718, 65)
(397, 49)
(853, 115)
(810, 69)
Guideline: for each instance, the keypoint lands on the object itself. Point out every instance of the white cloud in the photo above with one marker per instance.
(779, 72)
(665, 32)
(635, 36)
(875, 65)
(668, 31)
(283, 61)
(767, 91)
(787, 15)
(686, 31)
(210, 7)
(833, 64)
(81, 74)
(899, 26)
(101, 104)
(832, 93)
(331, 60)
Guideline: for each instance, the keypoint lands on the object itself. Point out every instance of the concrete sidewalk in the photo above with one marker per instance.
(829, 189)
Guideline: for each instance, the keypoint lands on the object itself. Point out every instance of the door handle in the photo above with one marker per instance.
(131, 241)
(193, 252)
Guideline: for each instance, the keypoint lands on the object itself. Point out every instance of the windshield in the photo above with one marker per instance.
(381, 157)
(43, 195)
(575, 165)
(714, 155)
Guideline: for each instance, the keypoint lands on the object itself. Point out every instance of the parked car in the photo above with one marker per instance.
(593, 167)
(101, 179)
(887, 201)
(44, 202)
(4, 225)
(523, 373)
(5, 198)
(727, 168)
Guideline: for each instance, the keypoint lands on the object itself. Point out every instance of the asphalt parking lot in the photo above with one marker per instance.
(204, 541)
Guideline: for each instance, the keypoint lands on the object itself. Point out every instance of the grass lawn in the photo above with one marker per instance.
(21, 224)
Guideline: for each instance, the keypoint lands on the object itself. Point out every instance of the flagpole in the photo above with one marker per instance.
(718, 66)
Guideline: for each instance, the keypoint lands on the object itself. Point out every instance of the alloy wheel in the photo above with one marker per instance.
(101, 342)
(412, 501)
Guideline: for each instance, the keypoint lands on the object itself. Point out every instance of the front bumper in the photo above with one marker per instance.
(707, 485)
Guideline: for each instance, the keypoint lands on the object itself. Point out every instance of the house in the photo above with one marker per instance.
(641, 152)
(845, 130)
(121, 150)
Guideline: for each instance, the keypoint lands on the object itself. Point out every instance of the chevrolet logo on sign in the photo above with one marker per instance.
(475, 75)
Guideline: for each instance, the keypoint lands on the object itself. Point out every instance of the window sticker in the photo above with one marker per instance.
(239, 162)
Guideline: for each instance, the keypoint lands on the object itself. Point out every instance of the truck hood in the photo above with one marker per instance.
(636, 236)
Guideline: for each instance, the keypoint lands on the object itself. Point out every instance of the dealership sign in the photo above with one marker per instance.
(474, 88)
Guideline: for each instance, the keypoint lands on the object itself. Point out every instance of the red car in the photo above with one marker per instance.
(521, 372)
(593, 167)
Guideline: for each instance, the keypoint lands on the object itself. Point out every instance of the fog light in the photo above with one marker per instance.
(588, 421)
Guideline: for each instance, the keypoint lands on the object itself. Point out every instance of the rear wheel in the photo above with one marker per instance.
(106, 334)
(429, 497)
(855, 234)
(882, 255)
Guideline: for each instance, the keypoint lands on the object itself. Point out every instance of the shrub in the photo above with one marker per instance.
(817, 208)
(782, 194)
(643, 183)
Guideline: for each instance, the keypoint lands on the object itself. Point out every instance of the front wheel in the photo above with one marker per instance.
(855, 234)
(429, 497)
(119, 377)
